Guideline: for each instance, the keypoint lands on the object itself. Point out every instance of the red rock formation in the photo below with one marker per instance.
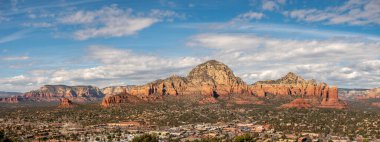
(216, 80)
(376, 104)
(297, 103)
(293, 85)
(210, 79)
(114, 100)
(12, 99)
(370, 94)
(331, 100)
(65, 103)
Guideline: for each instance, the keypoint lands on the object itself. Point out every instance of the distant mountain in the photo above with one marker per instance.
(309, 92)
(371, 94)
(351, 93)
(57, 92)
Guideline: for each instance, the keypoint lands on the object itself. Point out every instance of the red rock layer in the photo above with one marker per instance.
(65, 103)
(13, 99)
(297, 103)
(376, 104)
(293, 85)
(371, 94)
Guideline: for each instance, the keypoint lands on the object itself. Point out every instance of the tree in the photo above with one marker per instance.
(245, 138)
(146, 138)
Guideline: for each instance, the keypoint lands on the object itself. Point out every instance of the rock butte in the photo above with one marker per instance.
(12, 99)
(214, 80)
(65, 103)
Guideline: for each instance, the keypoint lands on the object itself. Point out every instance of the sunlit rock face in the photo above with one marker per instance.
(56, 92)
(293, 85)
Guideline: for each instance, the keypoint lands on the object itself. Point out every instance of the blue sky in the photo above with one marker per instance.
(107, 43)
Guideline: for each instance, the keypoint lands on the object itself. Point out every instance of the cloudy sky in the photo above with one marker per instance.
(109, 42)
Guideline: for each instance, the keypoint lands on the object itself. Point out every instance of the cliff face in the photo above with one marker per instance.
(56, 92)
(293, 85)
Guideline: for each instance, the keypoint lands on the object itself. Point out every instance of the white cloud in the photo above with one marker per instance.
(13, 58)
(112, 21)
(269, 5)
(353, 12)
(272, 5)
(38, 25)
(246, 17)
(13, 36)
(113, 67)
(337, 61)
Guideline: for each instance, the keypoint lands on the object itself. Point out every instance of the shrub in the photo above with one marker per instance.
(146, 138)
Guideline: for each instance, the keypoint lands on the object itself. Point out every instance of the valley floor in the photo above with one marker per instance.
(185, 121)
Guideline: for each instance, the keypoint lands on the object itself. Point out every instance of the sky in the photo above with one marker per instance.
(131, 42)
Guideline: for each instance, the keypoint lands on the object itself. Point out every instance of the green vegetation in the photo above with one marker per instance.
(146, 138)
(245, 138)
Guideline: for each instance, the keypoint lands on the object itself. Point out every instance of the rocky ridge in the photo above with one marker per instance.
(56, 92)
(205, 82)
(212, 81)
(296, 86)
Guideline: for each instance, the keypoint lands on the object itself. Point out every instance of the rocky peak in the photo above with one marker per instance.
(290, 78)
(213, 72)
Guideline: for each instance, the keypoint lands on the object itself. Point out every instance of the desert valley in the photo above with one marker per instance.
(190, 71)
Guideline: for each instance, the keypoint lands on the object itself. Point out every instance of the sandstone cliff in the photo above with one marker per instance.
(296, 86)
(56, 92)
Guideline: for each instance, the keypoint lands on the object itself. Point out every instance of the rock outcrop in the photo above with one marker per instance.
(56, 92)
(205, 82)
(65, 103)
(296, 86)
(212, 81)
(11, 99)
